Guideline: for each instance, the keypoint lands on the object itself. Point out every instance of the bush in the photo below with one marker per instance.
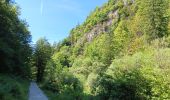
(12, 89)
(91, 80)
(137, 77)
(64, 85)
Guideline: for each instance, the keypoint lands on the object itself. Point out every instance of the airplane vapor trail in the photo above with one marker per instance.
(42, 7)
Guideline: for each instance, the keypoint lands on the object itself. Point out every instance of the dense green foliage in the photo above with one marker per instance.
(15, 50)
(15, 53)
(120, 52)
(42, 54)
(13, 88)
(137, 77)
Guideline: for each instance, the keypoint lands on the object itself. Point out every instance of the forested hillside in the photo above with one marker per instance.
(121, 52)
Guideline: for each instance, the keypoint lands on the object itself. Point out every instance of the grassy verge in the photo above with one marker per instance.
(13, 88)
(66, 96)
(51, 95)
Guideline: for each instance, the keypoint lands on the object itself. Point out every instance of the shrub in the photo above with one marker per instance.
(136, 77)
(12, 89)
(64, 84)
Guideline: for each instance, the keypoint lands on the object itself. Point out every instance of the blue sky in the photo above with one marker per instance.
(54, 19)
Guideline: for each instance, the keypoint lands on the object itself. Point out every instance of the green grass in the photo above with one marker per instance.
(13, 88)
(51, 95)
(63, 96)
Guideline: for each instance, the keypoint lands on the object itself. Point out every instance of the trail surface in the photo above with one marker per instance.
(35, 93)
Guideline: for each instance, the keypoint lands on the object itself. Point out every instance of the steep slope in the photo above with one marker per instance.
(98, 59)
(100, 24)
(119, 27)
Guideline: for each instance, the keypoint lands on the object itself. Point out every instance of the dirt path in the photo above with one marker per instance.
(35, 93)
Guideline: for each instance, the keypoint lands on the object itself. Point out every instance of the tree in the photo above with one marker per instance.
(15, 49)
(41, 55)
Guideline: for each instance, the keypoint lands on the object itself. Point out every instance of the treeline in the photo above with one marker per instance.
(15, 53)
(15, 48)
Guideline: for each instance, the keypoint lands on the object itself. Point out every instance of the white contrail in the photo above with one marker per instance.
(42, 7)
